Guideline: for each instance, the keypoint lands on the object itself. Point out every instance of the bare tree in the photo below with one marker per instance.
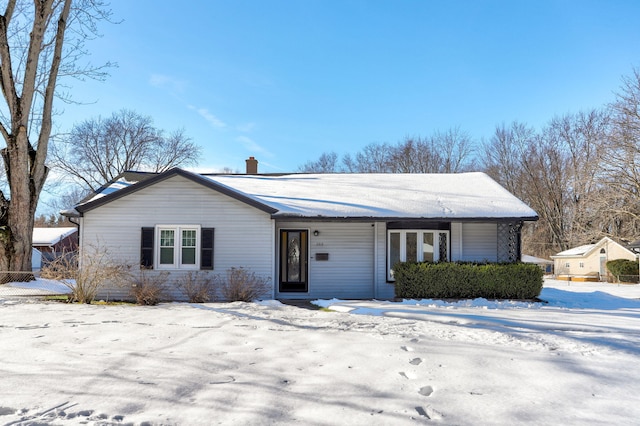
(451, 151)
(455, 149)
(556, 172)
(327, 163)
(97, 150)
(374, 158)
(40, 43)
(622, 158)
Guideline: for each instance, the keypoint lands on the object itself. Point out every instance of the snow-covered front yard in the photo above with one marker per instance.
(575, 360)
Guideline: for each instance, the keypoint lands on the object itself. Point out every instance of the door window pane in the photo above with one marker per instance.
(293, 257)
(427, 247)
(412, 247)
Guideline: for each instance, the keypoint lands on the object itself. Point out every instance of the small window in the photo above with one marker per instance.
(567, 265)
(582, 264)
(178, 246)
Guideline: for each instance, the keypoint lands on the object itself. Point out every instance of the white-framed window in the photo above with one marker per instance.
(416, 245)
(178, 246)
(567, 265)
(582, 264)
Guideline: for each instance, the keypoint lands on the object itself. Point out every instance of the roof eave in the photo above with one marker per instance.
(320, 218)
(83, 208)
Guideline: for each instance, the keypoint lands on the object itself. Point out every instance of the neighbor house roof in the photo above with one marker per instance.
(428, 196)
(51, 236)
(525, 258)
(587, 249)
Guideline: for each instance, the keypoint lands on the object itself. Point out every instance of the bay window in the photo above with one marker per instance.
(416, 245)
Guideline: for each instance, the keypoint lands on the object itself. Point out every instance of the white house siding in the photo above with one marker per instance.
(456, 241)
(349, 271)
(478, 242)
(244, 235)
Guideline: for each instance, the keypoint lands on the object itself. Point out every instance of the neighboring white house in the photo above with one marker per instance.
(313, 235)
(589, 262)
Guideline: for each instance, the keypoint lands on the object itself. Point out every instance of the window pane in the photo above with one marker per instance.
(188, 255)
(189, 238)
(167, 238)
(166, 255)
(443, 252)
(427, 247)
(188, 246)
(412, 247)
(394, 249)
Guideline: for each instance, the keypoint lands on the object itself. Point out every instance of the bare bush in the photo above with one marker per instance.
(199, 288)
(148, 288)
(86, 274)
(242, 285)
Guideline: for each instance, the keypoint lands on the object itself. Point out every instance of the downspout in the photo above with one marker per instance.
(70, 216)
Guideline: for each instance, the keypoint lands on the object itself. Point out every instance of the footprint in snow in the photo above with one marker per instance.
(429, 413)
(426, 390)
(416, 361)
(407, 375)
(406, 348)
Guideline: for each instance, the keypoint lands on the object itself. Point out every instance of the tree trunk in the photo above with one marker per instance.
(15, 246)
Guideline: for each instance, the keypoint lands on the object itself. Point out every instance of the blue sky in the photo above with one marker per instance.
(286, 80)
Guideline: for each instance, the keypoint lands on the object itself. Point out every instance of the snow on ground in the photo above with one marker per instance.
(571, 361)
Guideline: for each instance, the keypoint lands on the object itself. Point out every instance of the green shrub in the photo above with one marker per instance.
(623, 269)
(467, 280)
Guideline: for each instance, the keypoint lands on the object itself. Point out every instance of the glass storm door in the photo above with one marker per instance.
(293, 260)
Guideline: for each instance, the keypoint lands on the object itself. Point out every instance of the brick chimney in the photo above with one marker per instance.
(252, 166)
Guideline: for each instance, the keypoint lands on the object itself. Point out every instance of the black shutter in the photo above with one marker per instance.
(146, 248)
(206, 248)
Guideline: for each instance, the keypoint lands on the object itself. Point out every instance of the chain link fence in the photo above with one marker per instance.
(29, 284)
(626, 279)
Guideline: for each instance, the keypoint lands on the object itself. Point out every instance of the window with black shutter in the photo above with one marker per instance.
(146, 248)
(176, 247)
(206, 248)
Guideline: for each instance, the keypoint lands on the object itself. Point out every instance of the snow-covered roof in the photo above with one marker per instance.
(587, 249)
(353, 195)
(461, 195)
(532, 259)
(51, 236)
(577, 251)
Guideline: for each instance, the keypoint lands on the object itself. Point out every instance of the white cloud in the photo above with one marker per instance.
(246, 128)
(212, 119)
(252, 146)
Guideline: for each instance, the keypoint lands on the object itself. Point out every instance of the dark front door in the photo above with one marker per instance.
(293, 260)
